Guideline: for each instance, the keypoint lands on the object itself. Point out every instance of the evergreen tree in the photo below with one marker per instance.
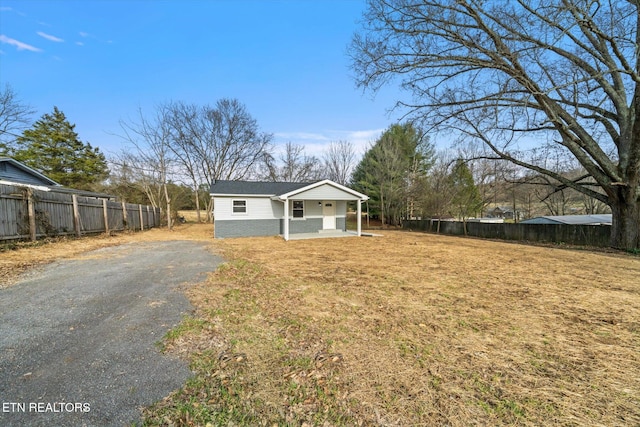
(53, 147)
(390, 171)
(466, 200)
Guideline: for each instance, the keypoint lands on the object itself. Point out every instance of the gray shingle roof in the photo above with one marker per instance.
(255, 187)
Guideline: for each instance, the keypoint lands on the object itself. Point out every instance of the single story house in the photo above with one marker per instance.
(603, 219)
(246, 208)
(503, 212)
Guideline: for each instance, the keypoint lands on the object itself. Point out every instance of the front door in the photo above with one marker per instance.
(328, 215)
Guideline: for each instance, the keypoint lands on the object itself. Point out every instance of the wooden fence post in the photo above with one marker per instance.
(76, 215)
(32, 215)
(105, 213)
(141, 219)
(125, 222)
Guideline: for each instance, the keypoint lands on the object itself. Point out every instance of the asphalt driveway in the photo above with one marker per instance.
(78, 337)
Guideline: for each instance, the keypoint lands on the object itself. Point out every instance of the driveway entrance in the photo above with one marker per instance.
(78, 338)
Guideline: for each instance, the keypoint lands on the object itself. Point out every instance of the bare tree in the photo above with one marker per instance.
(14, 117)
(438, 198)
(338, 161)
(182, 119)
(487, 173)
(220, 142)
(129, 169)
(232, 140)
(152, 158)
(293, 165)
(512, 72)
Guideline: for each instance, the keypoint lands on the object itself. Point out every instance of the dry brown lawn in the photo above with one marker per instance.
(16, 258)
(407, 329)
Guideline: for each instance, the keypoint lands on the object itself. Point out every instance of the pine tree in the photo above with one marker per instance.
(52, 146)
(391, 169)
(466, 200)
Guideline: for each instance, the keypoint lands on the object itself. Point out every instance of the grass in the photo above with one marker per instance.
(407, 329)
(431, 330)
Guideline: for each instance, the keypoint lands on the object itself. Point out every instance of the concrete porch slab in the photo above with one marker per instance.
(322, 235)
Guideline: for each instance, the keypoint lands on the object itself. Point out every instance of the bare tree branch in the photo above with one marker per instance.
(509, 73)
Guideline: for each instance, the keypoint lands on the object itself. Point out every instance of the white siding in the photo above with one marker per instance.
(312, 209)
(324, 192)
(265, 208)
(257, 208)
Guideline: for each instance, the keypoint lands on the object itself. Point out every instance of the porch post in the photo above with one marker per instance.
(359, 216)
(286, 219)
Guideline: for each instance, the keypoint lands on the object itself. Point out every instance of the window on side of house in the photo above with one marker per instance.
(239, 206)
(298, 209)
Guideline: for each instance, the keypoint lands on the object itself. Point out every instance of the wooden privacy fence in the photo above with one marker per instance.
(28, 213)
(583, 235)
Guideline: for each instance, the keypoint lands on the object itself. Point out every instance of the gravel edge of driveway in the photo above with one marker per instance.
(78, 338)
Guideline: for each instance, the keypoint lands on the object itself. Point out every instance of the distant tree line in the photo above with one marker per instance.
(175, 152)
(171, 155)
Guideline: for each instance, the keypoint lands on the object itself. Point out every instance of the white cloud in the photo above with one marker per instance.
(49, 37)
(316, 143)
(297, 136)
(362, 139)
(366, 134)
(18, 44)
(80, 43)
(83, 34)
(5, 9)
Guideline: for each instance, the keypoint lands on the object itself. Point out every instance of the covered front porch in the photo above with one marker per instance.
(319, 210)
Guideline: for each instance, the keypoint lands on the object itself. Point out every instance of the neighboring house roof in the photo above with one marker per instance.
(13, 171)
(502, 209)
(254, 188)
(278, 190)
(604, 219)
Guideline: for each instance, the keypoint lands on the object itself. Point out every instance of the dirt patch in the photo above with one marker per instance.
(16, 258)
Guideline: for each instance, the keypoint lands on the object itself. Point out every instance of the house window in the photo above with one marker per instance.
(239, 206)
(298, 209)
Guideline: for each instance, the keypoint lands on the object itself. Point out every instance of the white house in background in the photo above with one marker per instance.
(247, 208)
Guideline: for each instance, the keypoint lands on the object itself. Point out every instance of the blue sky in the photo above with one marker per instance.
(100, 61)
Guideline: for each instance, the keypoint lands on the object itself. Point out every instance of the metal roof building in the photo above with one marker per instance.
(603, 219)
